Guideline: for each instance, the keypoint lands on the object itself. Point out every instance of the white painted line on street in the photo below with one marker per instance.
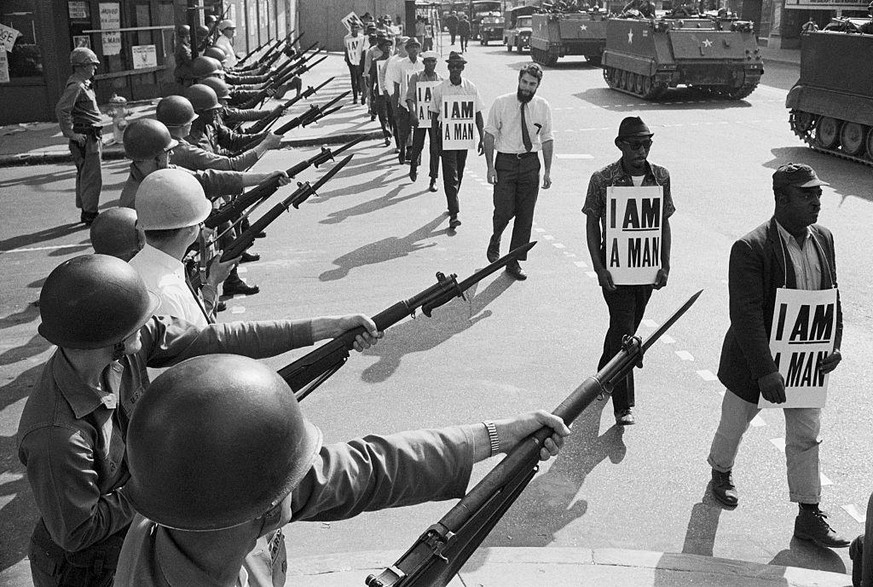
(758, 421)
(540, 229)
(667, 339)
(558, 246)
(779, 443)
(237, 310)
(591, 274)
(852, 510)
(46, 248)
(569, 254)
(650, 323)
(548, 237)
(574, 156)
(707, 375)
(242, 269)
(824, 480)
(685, 355)
(581, 264)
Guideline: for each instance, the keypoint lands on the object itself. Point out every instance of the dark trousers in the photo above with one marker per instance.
(401, 121)
(453, 174)
(464, 40)
(626, 307)
(452, 35)
(380, 104)
(355, 73)
(94, 566)
(89, 173)
(418, 146)
(515, 195)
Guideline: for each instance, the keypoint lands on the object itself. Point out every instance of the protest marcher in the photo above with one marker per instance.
(464, 31)
(420, 80)
(354, 45)
(452, 24)
(519, 127)
(626, 303)
(454, 160)
(388, 87)
(788, 252)
(397, 77)
(380, 101)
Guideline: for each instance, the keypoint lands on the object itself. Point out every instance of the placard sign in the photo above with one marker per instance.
(802, 335)
(423, 98)
(144, 56)
(110, 18)
(354, 48)
(634, 219)
(381, 66)
(8, 36)
(351, 17)
(459, 122)
(4, 68)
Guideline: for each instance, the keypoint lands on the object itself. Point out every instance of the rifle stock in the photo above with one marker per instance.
(444, 547)
(305, 374)
(267, 122)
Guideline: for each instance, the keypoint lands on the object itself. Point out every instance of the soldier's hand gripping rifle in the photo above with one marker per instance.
(305, 374)
(234, 209)
(238, 246)
(277, 113)
(444, 548)
(314, 113)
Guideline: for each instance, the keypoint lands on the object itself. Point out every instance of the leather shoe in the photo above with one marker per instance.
(811, 524)
(248, 257)
(723, 488)
(432, 186)
(625, 418)
(220, 307)
(493, 252)
(401, 156)
(413, 173)
(516, 271)
(454, 222)
(234, 288)
(88, 217)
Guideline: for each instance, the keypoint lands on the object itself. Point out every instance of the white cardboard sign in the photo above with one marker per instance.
(634, 230)
(423, 98)
(459, 123)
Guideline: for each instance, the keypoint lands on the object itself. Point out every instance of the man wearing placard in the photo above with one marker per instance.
(628, 207)
(458, 110)
(782, 282)
(354, 44)
(379, 99)
(418, 98)
(398, 77)
(388, 87)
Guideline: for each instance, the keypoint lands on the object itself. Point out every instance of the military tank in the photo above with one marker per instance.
(558, 34)
(831, 105)
(646, 57)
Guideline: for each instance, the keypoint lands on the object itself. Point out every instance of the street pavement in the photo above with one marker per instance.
(372, 238)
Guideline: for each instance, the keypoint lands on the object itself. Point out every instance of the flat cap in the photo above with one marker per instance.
(797, 175)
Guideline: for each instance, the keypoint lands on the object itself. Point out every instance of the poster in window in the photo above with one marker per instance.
(7, 37)
(110, 18)
(82, 41)
(78, 10)
(4, 68)
(144, 56)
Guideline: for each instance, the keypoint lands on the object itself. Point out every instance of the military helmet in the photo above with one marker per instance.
(202, 31)
(92, 302)
(115, 232)
(146, 139)
(215, 52)
(202, 98)
(226, 24)
(168, 199)
(218, 85)
(83, 56)
(205, 66)
(217, 441)
(183, 30)
(175, 111)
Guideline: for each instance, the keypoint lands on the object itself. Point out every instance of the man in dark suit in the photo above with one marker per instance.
(788, 251)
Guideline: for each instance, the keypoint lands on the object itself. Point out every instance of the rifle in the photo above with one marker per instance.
(274, 51)
(267, 188)
(304, 190)
(444, 547)
(242, 61)
(303, 67)
(208, 38)
(311, 115)
(305, 374)
(277, 113)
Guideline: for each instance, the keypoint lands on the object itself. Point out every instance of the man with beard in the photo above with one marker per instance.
(520, 126)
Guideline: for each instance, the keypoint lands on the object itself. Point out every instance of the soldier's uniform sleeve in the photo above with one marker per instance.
(378, 472)
(219, 183)
(194, 158)
(235, 141)
(64, 108)
(235, 115)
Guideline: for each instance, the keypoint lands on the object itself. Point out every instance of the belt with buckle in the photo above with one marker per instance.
(520, 155)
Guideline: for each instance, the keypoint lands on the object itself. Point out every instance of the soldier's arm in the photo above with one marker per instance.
(64, 109)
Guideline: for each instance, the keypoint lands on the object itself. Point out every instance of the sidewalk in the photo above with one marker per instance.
(786, 56)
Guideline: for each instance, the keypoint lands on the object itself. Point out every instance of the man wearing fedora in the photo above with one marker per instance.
(626, 303)
(788, 251)
(397, 78)
(455, 160)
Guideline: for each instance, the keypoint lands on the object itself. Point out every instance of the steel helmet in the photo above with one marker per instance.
(205, 66)
(202, 98)
(219, 86)
(175, 111)
(92, 302)
(116, 233)
(217, 441)
(215, 52)
(226, 24)
(146, 139)
(171, 198)
(83, 56)
(202, 31)
(183, 30)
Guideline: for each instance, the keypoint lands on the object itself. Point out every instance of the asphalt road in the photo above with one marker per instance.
(373, 238)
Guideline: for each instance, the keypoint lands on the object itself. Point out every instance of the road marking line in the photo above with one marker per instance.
(779, 443)
(46, 248)
(591, 274)
(237, 310)
(707, 375)
(581, 264)
(540, 229)
(569, 254)
(685, 355)
(825, 480)
(650, 323)
(558, 246)
(667, 339)
(574, 156)
(758, 421)
(242, 269)
(548, 237)
(852, 510)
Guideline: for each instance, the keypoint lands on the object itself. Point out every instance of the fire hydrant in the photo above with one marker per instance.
(119, 113)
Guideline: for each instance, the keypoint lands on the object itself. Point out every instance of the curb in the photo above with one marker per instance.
(115, 153)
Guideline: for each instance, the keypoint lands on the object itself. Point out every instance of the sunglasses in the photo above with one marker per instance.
(645, 143)
(456, 66)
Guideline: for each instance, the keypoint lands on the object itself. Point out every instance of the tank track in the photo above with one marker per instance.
(636, 85)
(804, 131)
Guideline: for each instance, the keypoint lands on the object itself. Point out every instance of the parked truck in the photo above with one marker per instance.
(556, 35)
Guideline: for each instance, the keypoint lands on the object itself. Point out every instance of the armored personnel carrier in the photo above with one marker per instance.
(831, 105)
(645, 57)
(558, 34)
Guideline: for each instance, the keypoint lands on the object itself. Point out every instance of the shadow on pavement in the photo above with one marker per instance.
(18, 516)
(846, 178)
(703, 525)
(423, 333)
(808, 555)
(384, 250)
(676, 99)
(39, 236)
(389, 199)
(39, 181)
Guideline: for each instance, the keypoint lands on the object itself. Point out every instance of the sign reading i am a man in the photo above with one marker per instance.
(801, 336)
(459, 123)
(423, 98)
(634, 230)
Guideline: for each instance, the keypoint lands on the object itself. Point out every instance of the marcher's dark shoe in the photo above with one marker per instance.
(432, 186)
(625, 418)
(454, 222)
(238, 287)
(220, 307)
(811, 524)
(723, 488)
(515, 270)
(401, 157)
(248, 257)
(493, 252)
(372, 117)
(388, 141)
(413, 173)
(88, 217)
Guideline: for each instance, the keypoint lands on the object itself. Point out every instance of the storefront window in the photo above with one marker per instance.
(25, 60)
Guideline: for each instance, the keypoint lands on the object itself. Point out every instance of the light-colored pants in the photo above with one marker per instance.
(802, 426)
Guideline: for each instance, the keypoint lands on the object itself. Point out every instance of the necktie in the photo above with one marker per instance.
(525, 135)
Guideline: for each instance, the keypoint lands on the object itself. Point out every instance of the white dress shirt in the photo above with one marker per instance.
(504, 123)
(165, 276)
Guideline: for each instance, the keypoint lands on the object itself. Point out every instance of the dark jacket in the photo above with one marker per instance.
(757, 268)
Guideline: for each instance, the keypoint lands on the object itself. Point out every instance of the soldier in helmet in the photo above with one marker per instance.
(183, 73)
(116, 233)
(200, 506)
(232, 116)
(71, 436)
(79, 119)
(867, 27)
